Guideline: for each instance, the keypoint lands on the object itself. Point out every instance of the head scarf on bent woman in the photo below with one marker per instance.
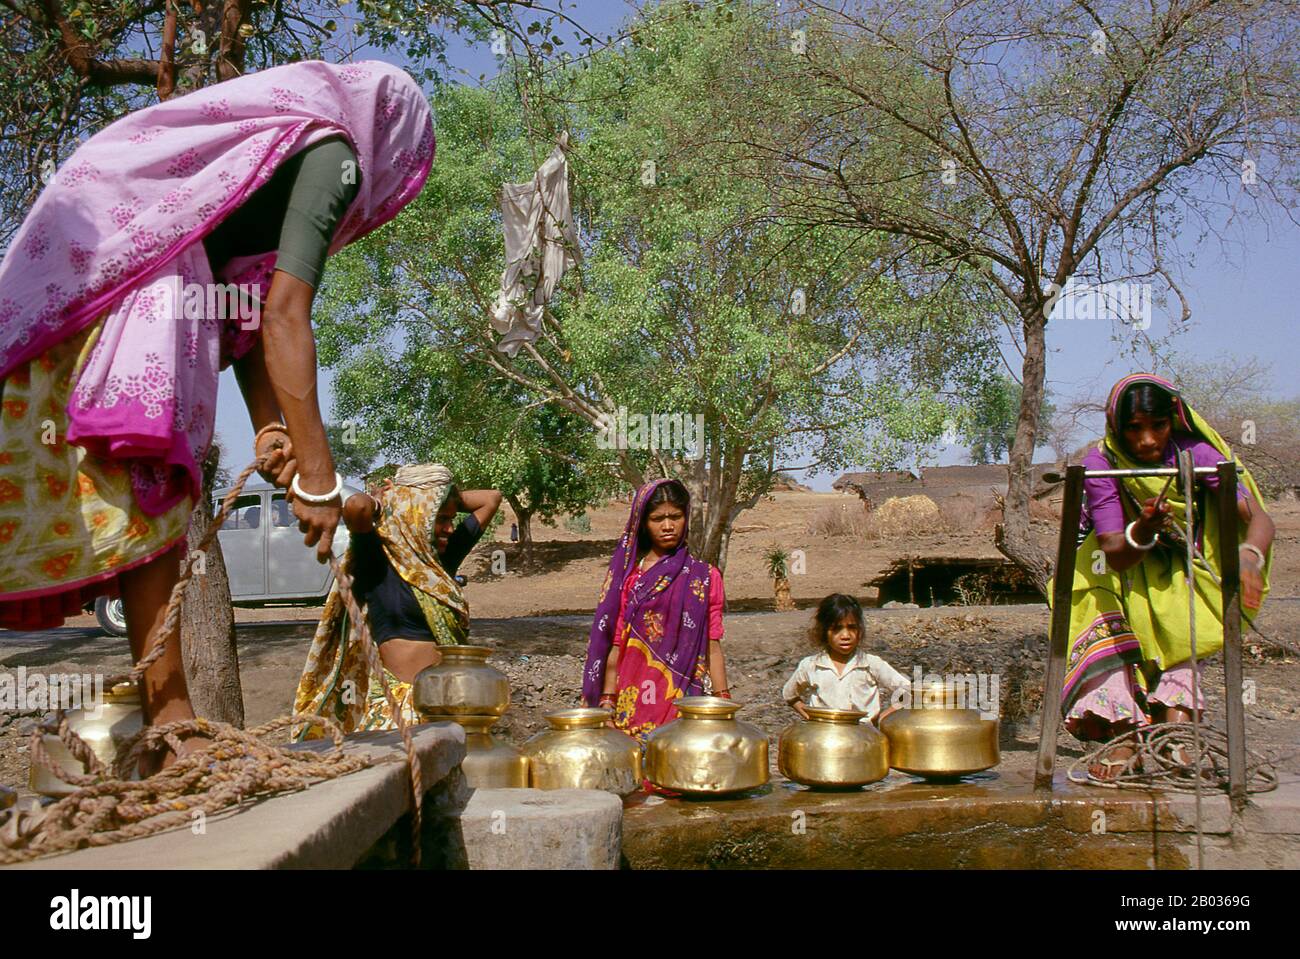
(1137, 619)
(123, 221)
(92, 327)
(336, 680)
(665, 623)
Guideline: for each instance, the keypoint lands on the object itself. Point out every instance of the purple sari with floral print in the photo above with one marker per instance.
(665, 642)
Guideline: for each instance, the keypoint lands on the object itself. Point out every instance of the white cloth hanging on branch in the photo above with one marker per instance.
(541, 244)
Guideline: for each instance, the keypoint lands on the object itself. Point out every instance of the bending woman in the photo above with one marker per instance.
(1128, 663)
(180, 239)
(403, 557)
(657, 633)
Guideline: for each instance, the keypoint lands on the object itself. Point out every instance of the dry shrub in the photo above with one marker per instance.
(904, 516)
(1048, 511)
(968, 513)
(840, 519)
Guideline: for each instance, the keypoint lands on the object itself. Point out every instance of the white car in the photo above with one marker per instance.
(267, 562)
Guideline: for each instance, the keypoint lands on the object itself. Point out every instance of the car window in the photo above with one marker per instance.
(246, 513)
(281, 513)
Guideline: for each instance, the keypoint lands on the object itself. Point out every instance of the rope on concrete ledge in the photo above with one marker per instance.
(230, 766)
(1165, 757)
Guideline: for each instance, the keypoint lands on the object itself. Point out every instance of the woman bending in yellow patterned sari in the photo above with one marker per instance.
(408, 591)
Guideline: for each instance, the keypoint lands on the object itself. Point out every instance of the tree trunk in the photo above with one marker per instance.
(1014, 535)
(523, 517)
(723, 484)
(208, 631)
(694, 477)
(781, 590)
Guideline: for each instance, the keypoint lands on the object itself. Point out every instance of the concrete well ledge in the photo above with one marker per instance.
(989, 821)
(524, 829)
(331, 825)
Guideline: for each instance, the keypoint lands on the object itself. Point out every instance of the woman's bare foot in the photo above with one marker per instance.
(156, 760)
(1121, 760)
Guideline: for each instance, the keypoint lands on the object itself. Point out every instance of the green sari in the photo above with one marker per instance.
(1138, 619)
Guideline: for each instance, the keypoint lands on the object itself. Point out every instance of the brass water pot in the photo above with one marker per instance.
(462, 684)
(706, 750)
(833, 749)
(122, 717)
(489, 763)
(580, 752)
(937, 740)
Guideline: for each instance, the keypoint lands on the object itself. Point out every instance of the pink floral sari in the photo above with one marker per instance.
(98, 346)
(121, 225)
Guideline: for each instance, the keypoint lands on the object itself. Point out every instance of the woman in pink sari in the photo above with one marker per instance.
(183, 238)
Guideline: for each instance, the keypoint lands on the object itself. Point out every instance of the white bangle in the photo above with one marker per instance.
(1259, 554)
(1128, 538)
(317, 498)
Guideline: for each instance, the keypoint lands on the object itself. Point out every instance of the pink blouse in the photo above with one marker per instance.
(716, 601)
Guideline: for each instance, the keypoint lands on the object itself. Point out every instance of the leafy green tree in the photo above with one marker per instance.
(70, 67)
(436, 408)
(798, 348)
(355, 450)
(992, 427)
(1042, 143)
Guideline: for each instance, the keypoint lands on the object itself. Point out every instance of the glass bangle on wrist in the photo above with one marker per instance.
(1259, 555)
(317, 498)
(1128, 538)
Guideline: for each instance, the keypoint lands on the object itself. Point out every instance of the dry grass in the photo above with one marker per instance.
(968, 513)
(904, 516)
(848, 518)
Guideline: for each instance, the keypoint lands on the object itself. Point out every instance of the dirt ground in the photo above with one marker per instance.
(537, 617)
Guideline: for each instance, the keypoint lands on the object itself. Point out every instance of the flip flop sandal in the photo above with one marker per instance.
(1126, 765)
(1179, 753)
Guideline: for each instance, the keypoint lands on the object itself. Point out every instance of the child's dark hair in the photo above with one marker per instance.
(832, 611)
(670, 492)
(1145, 398)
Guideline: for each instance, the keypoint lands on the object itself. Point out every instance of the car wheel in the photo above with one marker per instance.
(111, 615)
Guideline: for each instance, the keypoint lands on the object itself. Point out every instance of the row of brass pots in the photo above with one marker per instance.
(708, 751)
(577, 752)
(833, 749)
(120, 718)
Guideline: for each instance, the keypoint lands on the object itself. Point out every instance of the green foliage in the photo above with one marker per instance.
(778, 562)
(47, 107)
(354, 449)
(793, 344)
(991, 428)
(578, 524)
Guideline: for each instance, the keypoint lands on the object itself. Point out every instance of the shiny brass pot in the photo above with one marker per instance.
(489, 763)
(121, 718)
(462, 684)
(706, 750)
(833, 749)
(939, 741)
(580, 752)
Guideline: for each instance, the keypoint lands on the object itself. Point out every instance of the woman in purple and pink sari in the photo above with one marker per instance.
(180, 239)
(658, 626)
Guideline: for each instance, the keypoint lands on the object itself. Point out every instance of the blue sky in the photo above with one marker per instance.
(1239, 286)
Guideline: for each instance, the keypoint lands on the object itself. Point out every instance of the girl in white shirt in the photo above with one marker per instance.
(840, 676)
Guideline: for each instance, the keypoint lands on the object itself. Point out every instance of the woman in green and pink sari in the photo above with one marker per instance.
(1129, 661)
(657, 632)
